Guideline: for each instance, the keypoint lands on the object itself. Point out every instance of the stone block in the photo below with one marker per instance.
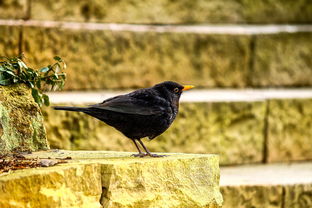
(282, 60)
(115, 60)
(298, 196)
(112, 179)
(13, 9)
(247, 196)
(275, 185)
(289, 130)
(75, 185)
(175, 12)
(276, 11)
(9, 40)
(233, 130)
(21, 121)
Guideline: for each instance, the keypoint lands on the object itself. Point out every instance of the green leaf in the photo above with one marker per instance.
(46, 99)
(14, 70)
(36, 96)
(44, 69)
(15, 80)
(30, 84)
(22, 64)
(10, 73)
(6, 82)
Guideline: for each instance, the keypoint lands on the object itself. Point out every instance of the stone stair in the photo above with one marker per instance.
(234, 51)
(243, 126)
(278, 185)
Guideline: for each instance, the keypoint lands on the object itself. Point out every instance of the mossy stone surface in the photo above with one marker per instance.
(114, 60)
(21, 121)
(116, 180)
(233, 130)
(282, 60)
(290, 130)
(176, 12)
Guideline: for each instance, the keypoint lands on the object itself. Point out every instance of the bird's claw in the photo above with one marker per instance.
(140, 155)
(155, 155)
(148, 154)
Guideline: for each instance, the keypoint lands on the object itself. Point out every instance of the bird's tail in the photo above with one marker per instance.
(66, 108)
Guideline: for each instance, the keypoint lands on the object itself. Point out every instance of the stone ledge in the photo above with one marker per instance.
(272, 185)
(113, 179)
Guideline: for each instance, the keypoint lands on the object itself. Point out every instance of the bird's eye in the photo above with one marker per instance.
(176, 90)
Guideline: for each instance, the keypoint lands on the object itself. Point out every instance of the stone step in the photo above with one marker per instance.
(115, 179)
(284, 185)
(104, 56)
(242, 126)
(165, 11)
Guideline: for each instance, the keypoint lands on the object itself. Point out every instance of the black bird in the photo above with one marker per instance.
(142, 113)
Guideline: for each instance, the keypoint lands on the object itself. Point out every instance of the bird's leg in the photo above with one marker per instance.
(141, 154)
(148, 152)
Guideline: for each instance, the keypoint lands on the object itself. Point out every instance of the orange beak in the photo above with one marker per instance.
(187, 87)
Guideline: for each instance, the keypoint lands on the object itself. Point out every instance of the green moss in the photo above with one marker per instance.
(21, 120)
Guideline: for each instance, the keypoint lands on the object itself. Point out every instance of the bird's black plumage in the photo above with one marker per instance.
(142, 113)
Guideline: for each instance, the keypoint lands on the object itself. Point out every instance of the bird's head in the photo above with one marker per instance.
(172, 90)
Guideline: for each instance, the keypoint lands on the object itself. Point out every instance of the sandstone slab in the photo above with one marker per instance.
(13, 9)
(21, 121)
(289, 130)
(119, 59)
(282, 60)
(298, 195)
(247, 196)
(9, 40)
(112, 179)
(233, 130)
(175, 12)
(267, 185)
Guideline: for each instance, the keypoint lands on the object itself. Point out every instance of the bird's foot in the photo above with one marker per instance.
(155, 155)
(140, 155)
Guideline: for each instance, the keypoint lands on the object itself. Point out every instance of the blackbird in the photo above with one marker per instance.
(142, 113)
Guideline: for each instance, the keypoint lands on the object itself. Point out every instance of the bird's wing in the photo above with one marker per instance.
(132, 104)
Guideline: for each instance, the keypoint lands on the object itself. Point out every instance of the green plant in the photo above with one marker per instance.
(52, 77)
